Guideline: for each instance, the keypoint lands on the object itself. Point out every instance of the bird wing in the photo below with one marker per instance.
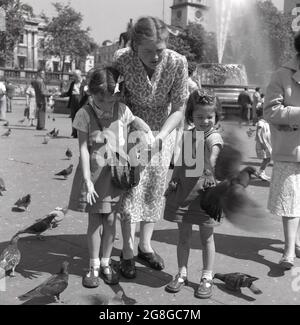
(36, 228)
(61, 173)
(55, 285)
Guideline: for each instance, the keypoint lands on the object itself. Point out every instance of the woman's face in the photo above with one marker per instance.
(204, 117)
(151, 52)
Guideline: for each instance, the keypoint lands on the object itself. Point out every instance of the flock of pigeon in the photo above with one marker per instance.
(10, 257)
(228, 198)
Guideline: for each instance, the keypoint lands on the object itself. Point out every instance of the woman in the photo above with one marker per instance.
(154, 78)
(282, 111)
(2, 101)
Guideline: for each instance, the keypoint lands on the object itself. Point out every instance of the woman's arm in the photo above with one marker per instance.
(85, 165)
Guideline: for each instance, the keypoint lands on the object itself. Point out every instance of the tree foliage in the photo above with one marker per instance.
(64, 35)
(15, 21)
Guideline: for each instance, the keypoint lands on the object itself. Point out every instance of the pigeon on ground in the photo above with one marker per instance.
(2, 186)
(10, 256)
(23, 202)
(22, 121)
(52, 287)
(236, 281)
(59, 214)
(51, 133)
(69, 153)
(53, 120)
(6, 124)
(40, 226)
(55, 135)
(7, 133)
(65, 172)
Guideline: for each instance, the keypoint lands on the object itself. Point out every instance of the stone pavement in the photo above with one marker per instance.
(28, 166)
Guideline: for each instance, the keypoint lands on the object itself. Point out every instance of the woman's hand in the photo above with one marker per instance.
(91, 193)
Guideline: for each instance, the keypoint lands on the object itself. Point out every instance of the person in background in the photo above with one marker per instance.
(282, 112)
(75, 94)
(10, 90)
(263, 144)
(41, 94)
(31, 103)
(2, 101)
(256, 100)
(245, 103)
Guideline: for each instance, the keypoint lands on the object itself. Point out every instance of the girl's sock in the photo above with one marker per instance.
(104, 264)
(94, 267)
(208, 275)
(183, 273)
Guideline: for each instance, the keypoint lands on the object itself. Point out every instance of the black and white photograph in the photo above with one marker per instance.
(150, 155)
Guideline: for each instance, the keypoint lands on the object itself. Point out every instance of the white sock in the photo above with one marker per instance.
(95, 264)
(208, 275)
(104, 263)
(183, 272)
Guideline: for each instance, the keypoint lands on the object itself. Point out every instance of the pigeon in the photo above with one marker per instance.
(46, 139)
(52, 133)
(55, 135)
(236, 281)
(40, 226)
(65, 172)
(53, 120)
(2, 186)
(22, 121)
(59, 214)
(52, 287)
(6, 124)
(10, 257)
(23, 202)
(69, 153)
(7, 133)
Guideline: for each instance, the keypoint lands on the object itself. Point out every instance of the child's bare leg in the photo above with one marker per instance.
(264, 164)
(183, 246)
(108, 235)
(93, 238)
(208, 251)
(128, 233)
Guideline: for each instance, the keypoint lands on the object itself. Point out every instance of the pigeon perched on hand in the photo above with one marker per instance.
(23, 202)
(39, 227)
(2, 186)
(69, 153)
(10, 256)
(52, 287)
(65, 172)
(7, 133)
(236, 281)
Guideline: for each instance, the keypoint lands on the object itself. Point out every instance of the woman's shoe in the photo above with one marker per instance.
(109, 275)
(204, 290)
(127, 268)
(287, 262)
(90, 280)
(297, 251)
(153, 259)
(177, 284)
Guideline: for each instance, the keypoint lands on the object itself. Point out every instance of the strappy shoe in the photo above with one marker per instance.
(204, 290)
(153, 259)
(177, 283)
(109, 275)
(90, 280)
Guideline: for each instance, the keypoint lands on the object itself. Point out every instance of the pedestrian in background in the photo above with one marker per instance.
(31, 103)
(2, 101)
(282, 111)
(245, 103)
(10, 90)
(256, 100)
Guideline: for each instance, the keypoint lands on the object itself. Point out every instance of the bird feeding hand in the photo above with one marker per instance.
(91, 193)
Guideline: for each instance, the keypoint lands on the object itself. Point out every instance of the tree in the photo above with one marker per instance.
(16, 12)
(65, 37)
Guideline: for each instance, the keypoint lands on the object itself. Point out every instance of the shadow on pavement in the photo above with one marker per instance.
(238, 294)
(239, 247)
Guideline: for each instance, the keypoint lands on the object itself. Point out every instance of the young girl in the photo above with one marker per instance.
(102, 126)
(263, 144)
(31, 104)
(184, 194)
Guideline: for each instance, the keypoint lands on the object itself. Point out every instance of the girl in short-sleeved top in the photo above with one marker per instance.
(184, 195)
(102, 126)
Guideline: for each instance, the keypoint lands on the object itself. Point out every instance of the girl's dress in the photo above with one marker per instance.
(150, 99)
(114, 129)
(32, 103)
(261, 151)
(183, 203)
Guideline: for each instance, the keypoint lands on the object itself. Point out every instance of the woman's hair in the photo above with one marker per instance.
(297, 42)
(149, 29)
(103, 79)
(201, 97)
